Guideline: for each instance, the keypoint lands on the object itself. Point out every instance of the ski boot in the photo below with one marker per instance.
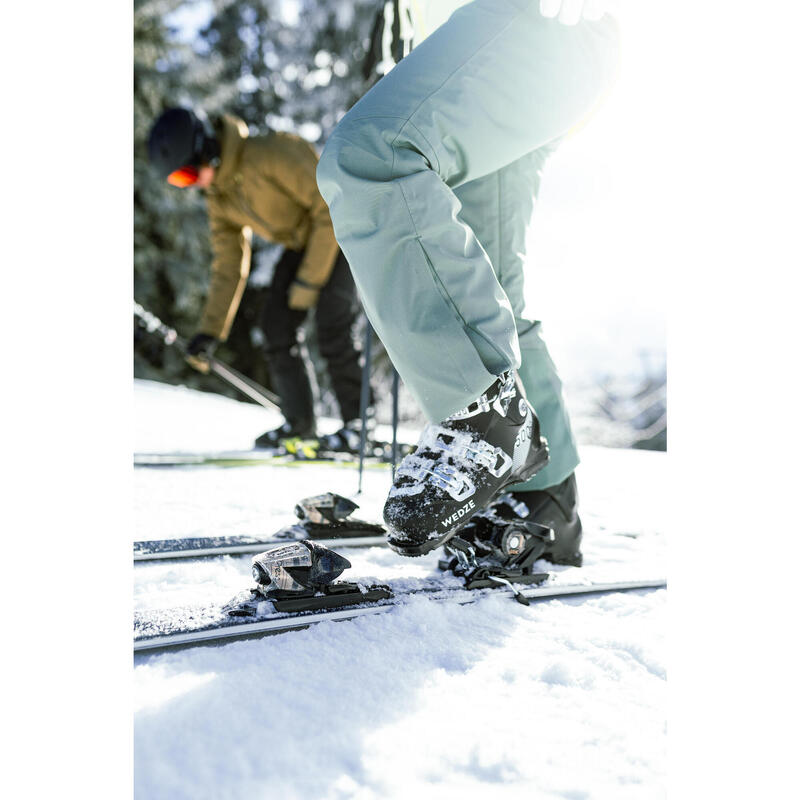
(461, 465)
(301, 577)
(347, 439)
(557, 508)
(288, 434)
(554, 509)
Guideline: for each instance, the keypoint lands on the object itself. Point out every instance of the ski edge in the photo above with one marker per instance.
(282, 624)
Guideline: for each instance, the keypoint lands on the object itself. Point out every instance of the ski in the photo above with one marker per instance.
(244, 458)
(290, 453)
(296, 581)
(190, 626)
(210, 546)
(324, 519)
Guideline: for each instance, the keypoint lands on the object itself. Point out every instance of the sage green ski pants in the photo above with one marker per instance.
(431, 179)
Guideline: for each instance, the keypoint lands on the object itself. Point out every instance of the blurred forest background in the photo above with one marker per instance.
(298, 66)
(278, 64)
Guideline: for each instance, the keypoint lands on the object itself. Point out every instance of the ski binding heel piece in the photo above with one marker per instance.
(327, 516)
(322, 509)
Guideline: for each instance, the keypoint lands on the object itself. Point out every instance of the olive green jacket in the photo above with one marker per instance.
(265, 184)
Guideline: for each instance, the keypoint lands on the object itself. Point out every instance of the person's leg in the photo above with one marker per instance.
(287, 368)
(499, 208)
(492, 84)
(337, 318)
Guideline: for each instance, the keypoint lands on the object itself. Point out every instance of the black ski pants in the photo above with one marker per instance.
(336, 317)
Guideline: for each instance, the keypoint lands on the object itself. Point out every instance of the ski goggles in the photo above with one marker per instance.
(184, 176)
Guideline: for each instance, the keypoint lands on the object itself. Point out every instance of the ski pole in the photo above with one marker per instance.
(241, 382)
(395, 414)
(362, 445)
(245, 385)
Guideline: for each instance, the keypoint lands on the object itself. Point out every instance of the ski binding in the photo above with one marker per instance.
(301, 577)
(501, 560)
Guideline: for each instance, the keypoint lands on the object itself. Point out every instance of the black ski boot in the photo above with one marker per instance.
(557, 508)
(286, 432)
(459, 466)
(503, 522)
(347, 439)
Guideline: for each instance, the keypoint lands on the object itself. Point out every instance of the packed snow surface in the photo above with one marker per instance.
(564, 699)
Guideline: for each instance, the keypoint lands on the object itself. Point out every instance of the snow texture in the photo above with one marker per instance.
(565, 699)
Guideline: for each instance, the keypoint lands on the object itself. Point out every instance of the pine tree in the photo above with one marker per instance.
(290, 65)
(171, 250)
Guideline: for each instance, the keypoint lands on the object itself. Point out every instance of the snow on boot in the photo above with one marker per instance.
(505, 523)
(461, 465)
(287, 431)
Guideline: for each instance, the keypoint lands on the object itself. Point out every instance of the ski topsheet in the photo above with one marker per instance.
(180, 627)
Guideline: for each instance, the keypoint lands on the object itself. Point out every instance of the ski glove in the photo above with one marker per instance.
(570, 12)
(200, 347)
(302, 296)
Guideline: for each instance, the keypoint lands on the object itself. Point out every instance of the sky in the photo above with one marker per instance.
(596, 280)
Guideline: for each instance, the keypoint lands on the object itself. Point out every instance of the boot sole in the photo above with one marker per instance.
(416, 550)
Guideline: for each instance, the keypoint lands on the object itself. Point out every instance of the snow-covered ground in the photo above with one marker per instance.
(565, 699)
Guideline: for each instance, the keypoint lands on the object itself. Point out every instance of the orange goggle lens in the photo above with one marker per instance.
(185, 176)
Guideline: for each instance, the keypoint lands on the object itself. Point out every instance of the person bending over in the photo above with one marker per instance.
(267, 184)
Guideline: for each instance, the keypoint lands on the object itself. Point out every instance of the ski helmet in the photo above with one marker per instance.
(181, 138)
